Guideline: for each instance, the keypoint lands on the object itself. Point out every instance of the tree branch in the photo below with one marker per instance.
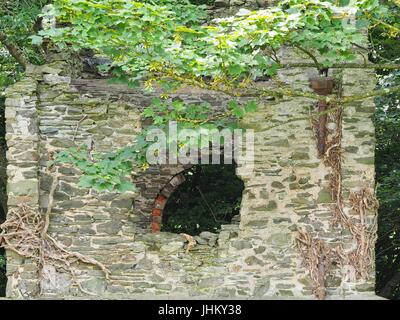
(389, 26)
(313, 58)
(389, 66)
(14, 51)
(240, 91)
(257, 92)
(374, 93)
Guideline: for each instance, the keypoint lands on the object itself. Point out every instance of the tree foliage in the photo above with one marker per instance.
(144, 39)
(19, 21)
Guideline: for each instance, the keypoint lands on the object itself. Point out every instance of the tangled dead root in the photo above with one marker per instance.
(333, 159)
(363, 233)
(25, 233)
(318, 256)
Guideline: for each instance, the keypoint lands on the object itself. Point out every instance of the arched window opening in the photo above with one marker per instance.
(208, 197)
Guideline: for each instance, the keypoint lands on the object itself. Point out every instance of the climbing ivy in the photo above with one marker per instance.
(109, 171)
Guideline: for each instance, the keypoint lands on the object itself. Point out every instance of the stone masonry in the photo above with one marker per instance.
(53, 108)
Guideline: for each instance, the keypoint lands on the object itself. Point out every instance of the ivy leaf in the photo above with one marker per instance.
(124, 186)
(37, 40)
(235, 70)
(272, 69)
(251, 106)
(236, 109)
(232, 104)
(86, 181)
(148, 113)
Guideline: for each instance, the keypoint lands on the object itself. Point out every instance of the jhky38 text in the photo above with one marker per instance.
(206, 309)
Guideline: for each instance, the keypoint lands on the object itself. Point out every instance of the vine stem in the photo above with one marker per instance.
(313, 58)
(50, 205)
(255, 92)
(389, 26)
(388, 66)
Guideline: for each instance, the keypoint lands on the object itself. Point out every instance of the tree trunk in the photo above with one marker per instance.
(15, 52)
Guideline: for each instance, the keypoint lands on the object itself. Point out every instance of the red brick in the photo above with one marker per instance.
(160, 202)
(161, 199)
(155, 227)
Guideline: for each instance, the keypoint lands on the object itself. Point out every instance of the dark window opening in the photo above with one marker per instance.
(210, 196)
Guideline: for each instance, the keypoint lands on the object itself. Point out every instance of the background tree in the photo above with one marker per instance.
(387, 123)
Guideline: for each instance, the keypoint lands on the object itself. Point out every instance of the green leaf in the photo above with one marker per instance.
(124, 186)
(235, 70)
(36, 40)
(251, 106)
(232, 104)
(86, 181)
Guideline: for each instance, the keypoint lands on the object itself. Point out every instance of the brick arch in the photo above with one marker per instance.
(167, 190)
(162, 199)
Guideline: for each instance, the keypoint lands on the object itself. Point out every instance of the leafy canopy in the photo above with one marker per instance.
(151, 38)
(109, 171)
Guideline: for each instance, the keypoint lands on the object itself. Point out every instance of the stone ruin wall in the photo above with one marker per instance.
(287, 190)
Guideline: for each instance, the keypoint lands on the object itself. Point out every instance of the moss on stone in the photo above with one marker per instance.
(277, 184)
(324, 196)
(272, 205)
(366, 160)
(300, 156)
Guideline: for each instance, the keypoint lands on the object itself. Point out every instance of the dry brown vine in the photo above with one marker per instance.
(319, 256)
(190, 240)
(363, 234)
(333, 159)
(25, 233)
